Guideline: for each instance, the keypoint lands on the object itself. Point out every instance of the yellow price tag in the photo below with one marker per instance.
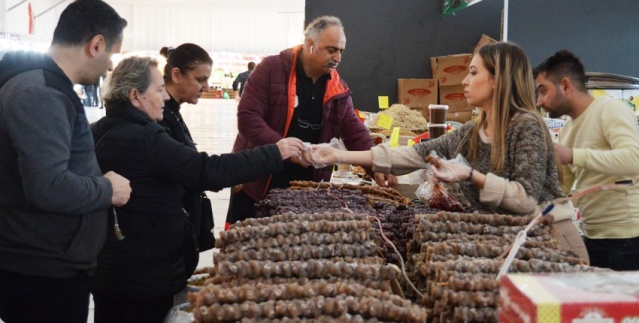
(394, 138)
(383, 102)
(385, 121)
(410, 142)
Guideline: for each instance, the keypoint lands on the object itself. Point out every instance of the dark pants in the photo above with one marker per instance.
(32, 299)
(124, 310)
(616, 254)
(241, 207)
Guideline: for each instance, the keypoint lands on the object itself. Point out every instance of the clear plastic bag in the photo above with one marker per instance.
(437, 194)
(177, 314)
(317, 155)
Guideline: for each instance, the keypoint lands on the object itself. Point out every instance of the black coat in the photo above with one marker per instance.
(150, 261)
(178, 130)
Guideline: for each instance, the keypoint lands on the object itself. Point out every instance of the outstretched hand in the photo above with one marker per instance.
(450, 172)
(322, 155)
(385, 180)
(290, 147)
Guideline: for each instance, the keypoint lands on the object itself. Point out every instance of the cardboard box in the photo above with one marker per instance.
(417, 93)
(458, 108)
(424, 111)
(578, 297)
(484, 40)
(452, 69)
(433, 67)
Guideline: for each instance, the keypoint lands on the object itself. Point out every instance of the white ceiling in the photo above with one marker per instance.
(249, 26)
(286, 6)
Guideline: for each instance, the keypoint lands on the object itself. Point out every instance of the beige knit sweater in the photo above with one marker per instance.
(529, 178)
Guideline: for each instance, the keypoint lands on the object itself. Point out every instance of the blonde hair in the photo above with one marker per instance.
(513, 99)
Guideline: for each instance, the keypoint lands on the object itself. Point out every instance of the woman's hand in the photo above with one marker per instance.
(451, 172)
(386, 180)
(322, 155)
(290, 147)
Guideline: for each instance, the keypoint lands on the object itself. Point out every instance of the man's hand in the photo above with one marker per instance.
(121, 188)
(563, 153)
(290, 147)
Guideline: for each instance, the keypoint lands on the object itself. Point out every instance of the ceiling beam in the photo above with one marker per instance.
(16, 5)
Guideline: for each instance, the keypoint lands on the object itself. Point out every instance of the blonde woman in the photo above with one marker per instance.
(512, 168)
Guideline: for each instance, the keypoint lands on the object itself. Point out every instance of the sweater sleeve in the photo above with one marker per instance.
(568, 179)
(199, 171)
(396, 161)
(528, 154)
(620, 130)
(45, 132)
(509, 195)
(403, 160)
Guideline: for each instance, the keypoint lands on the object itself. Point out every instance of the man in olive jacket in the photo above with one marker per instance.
(298, 93)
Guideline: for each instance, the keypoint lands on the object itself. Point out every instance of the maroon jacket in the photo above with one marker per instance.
(266, 108)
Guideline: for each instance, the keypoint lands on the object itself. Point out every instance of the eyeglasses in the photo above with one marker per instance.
(305, 125)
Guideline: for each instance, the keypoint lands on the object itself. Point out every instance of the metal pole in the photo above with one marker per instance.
(17, 4)
(47, 10)
(505, 35)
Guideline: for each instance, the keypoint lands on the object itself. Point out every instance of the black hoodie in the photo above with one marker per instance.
(53, 199)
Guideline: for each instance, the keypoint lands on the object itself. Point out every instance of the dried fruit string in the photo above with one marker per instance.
(381, 231)
(328, 191)
(521, 236)
(401, 259)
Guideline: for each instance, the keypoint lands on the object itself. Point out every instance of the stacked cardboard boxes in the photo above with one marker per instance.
(417, 94)
(444, 88)
(450, 71)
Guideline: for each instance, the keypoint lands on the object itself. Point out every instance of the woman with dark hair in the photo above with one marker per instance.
(513, 169)
(186, 76)
(148, 253)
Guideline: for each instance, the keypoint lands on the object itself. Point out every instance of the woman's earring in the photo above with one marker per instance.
(311, 49)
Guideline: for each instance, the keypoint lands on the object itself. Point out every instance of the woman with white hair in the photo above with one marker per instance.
(150, 250)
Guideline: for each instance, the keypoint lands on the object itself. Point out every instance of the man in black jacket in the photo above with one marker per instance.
(53, 196)
(242, 78)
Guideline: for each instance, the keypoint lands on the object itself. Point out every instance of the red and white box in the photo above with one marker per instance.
(607, 297)
(451, 69)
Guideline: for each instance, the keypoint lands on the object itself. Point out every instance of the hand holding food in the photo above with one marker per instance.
(323, 155)
(449, 171)
(290, 147)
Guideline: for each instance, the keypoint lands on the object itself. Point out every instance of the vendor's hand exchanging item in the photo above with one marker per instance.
(290, 147)
(449, 172)
(386, 180)
(323, 155)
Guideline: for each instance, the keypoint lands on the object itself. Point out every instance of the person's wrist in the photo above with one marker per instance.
(470, 174)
